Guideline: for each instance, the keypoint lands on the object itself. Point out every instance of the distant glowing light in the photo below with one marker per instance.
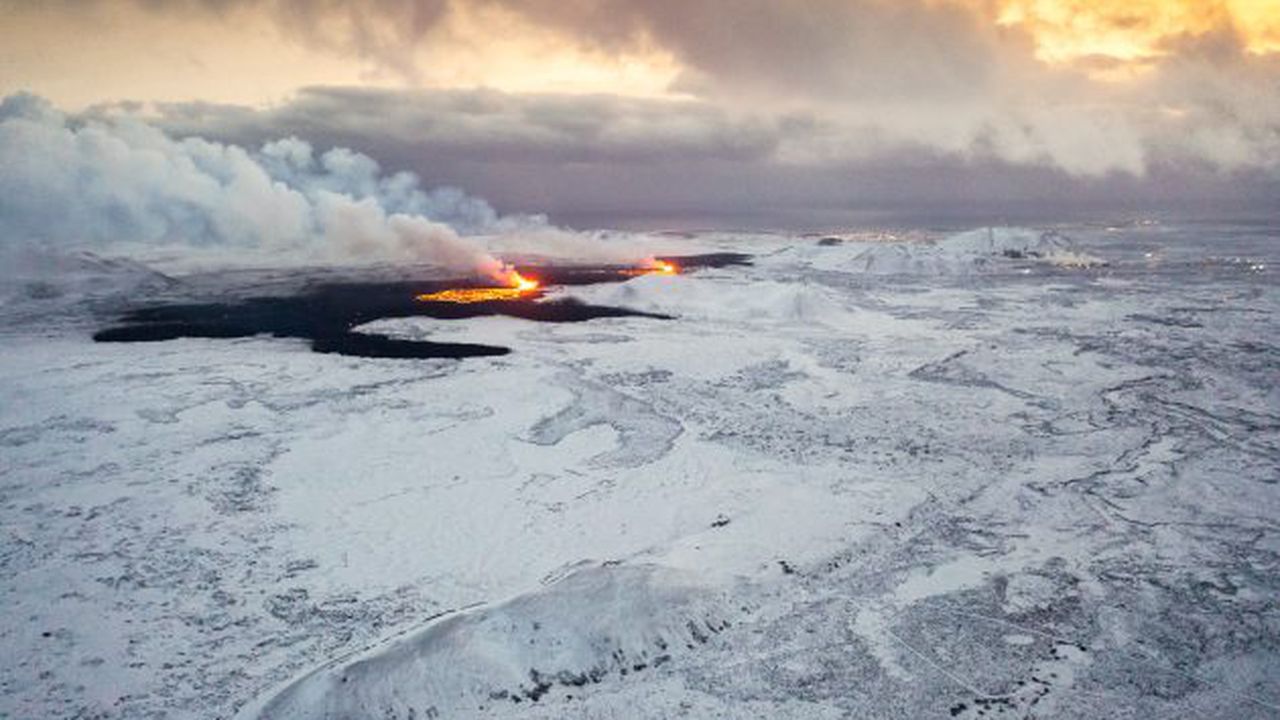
(1134, 33)
(654, 267)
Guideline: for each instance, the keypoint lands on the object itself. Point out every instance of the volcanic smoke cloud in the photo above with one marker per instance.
(116, 181)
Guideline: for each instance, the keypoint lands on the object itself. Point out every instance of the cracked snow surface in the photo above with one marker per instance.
(1003, 473)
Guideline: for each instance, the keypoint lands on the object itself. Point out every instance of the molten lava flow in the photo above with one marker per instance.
(662, 267)
(518, 287)
(654, 267)
(523, 284)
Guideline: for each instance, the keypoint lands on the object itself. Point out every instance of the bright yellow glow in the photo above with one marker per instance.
(77, 54)
(107, 52)
(487, 46)
(1136, 31)
(523, 284)
(654, 266)
(1259, 22)
(519, 287)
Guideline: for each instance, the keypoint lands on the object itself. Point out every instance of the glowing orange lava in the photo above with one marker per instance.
(522, 283)
(654, 267)
(519, 287)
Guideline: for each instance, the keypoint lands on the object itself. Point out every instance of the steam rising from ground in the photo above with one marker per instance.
(117, 182)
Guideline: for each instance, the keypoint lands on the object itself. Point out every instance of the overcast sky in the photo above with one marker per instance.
(746, 113)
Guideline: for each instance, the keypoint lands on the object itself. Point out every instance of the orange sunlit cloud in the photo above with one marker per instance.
(246, 56)
(1136, 30)
(132, 51)
(610, 106)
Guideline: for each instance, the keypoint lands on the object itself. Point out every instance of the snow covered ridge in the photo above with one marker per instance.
(600, 620)
(37, 285)
(762, 301)
(32, 274)
(767, 299)
(973, 251)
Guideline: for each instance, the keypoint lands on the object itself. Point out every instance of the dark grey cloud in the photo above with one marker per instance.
(816, 82)
(384, 31)
(867, 49)
(491, 126)
(846, 48)
(603, 160)
(794, 109)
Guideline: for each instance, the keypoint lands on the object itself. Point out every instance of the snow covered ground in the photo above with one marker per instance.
(1007, 473)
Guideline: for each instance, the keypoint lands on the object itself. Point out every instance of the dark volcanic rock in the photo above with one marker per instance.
(326, 314)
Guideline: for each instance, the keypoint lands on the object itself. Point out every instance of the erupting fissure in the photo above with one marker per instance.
(518, 286)
(654, 267)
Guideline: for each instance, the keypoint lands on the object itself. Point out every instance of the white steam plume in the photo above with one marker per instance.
(120, 182)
